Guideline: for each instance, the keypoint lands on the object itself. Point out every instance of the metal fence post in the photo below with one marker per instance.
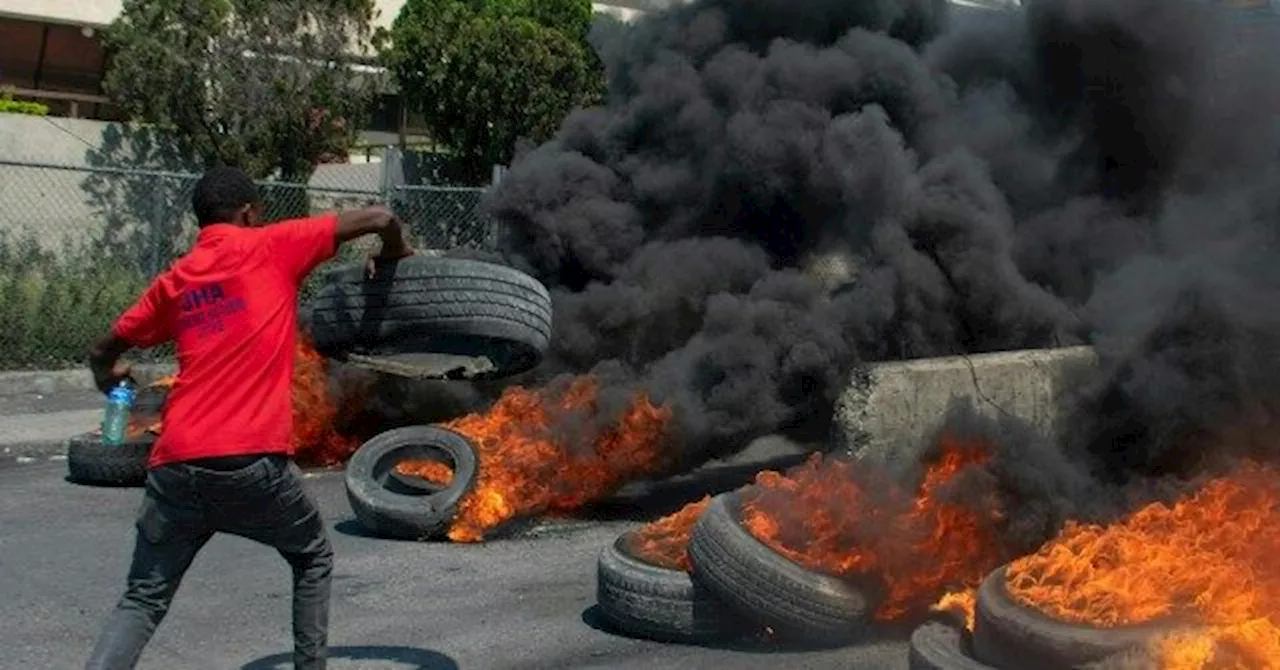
(156, 223)
(494, 231)
(392, 172)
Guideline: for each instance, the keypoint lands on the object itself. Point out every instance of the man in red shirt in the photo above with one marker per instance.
(222, 462)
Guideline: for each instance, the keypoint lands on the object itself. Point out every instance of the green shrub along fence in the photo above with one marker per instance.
(51, 304)
(77, 245)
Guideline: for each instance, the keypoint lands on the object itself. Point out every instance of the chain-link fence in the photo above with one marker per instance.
(78, 244)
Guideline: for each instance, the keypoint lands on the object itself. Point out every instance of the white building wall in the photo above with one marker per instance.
(76, 12)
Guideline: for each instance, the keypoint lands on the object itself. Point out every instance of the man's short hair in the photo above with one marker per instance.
(220, 194)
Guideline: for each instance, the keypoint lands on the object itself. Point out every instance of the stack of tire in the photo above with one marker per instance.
(738, 588)
(94, 463)
(424, 304)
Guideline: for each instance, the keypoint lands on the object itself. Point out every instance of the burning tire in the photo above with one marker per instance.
(936, 645)
(392, 505)
(1009, 634)
(655, 602)
(485, 320)
(89, 461)
(795, 602)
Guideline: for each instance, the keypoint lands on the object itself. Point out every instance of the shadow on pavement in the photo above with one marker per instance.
(760, 643)
(593, 618)
(354, 528)
(408, 658)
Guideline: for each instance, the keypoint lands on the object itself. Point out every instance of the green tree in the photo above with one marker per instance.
(488, 73)
(266, 85)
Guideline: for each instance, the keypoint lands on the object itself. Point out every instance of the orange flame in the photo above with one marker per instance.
(962, 603)
(665, 542)
(530, 464)
(432, 471)
(315, 441)
(1210, 560)
(917, 545)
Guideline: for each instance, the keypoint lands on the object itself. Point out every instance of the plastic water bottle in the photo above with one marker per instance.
(116, 419)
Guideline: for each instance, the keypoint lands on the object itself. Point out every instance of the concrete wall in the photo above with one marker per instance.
(63, 206)
(891, 418)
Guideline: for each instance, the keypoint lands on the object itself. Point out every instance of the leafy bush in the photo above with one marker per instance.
(10, 106)
(53, 303)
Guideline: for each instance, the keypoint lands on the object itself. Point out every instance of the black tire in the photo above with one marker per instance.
(89, 461)
(1008, 634)
(657, 603)
(936, 645)
(398, 507)
(798, 604)
(425, 304)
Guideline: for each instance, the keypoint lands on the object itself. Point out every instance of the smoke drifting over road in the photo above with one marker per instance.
(779, 190)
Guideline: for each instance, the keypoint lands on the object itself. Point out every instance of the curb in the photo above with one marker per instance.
(57, 450)
(41, 449)
(48, 382)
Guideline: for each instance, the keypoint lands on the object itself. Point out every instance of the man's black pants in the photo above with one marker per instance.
(260, 498)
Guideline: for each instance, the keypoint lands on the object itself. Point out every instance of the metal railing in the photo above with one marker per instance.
(78, 243)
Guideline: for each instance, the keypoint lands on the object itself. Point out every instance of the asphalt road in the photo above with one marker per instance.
(523, 602)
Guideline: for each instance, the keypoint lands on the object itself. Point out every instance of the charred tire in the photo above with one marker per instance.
(384, 503)
(89, 461)
(797, 603)
(936, 645)
(657, 603)
(424, 304)
(1008, 634)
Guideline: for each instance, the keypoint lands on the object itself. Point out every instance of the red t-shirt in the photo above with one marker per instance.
(231, 306)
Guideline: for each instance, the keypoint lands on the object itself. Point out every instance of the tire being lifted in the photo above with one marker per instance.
(1008, 634)
(658, 603)
(405, 508)
(795, 602)
(443, 317)
(91, 462)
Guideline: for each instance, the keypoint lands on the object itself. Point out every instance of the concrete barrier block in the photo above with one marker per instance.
(890, 414)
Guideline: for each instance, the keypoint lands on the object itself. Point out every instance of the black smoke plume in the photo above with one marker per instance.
(777, 192)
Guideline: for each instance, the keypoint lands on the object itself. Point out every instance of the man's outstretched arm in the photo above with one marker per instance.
(377, 220)
(303, 244)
